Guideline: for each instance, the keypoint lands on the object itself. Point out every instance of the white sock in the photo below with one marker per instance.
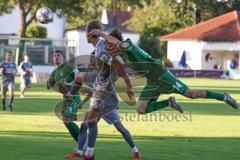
(134, 149)
(89, 152)
(80, 152)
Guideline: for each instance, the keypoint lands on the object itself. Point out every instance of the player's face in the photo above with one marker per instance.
(89, 38)
(26, 58)
(8, 56)
(57, 58)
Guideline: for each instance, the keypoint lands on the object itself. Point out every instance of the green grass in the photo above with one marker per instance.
(32, 132)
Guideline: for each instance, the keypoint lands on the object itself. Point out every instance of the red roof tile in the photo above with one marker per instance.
(222, 28)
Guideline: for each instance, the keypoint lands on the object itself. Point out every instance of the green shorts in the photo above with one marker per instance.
(70, 109)
(166, 83)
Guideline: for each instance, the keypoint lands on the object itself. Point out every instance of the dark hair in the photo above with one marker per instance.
(27, 54)
(59, 51)
(117, 34)
(94, 24)
(9, 52)
(93, 53)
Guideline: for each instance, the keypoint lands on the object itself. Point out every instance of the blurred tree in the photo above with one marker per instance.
(36, 31)
(150, 43)
(93, 9)
(154, 15)
(158, 17)
(28, 10)
(153, 20)
(189, 12)
(208, 9)
(185, 12)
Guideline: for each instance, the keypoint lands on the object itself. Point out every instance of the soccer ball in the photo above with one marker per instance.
(44, 15)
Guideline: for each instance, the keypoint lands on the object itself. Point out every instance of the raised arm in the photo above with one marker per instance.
(121, 71)
(114, 44)
(99, 33)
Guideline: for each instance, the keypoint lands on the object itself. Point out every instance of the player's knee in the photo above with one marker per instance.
(117, 125)
(141, 110)
(83, 127)
(11, 94)
(191, 94)
(65, 122)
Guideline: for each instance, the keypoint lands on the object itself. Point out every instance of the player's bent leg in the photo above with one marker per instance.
(125, 133)
(128, 138)
(69, 115)
(173, 103)
(11, 95)
(148, 98)
(73, 129)
(193, 94)
(4, 94)
(230, 101)
(92, 119)
(142, 105)
(81, 142)
(22, 87)
(146, 106)
(4, 100)
(82, 138)
(22, 90)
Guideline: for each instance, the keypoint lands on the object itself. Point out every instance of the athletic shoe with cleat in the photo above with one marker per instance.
(73, 155)
(137, 155)
(174, 104)
(87, 158)
(230, 101)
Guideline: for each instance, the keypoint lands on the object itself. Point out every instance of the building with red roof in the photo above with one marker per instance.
(213, 44)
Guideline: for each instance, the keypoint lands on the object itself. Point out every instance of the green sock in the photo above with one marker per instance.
(154, 106)
(214, 95)
(73, 130)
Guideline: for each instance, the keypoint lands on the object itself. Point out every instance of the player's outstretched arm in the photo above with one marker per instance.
(114, 44)
(76, 83)
(109, 38)
(50, 82)
(121, 71)
(88, 96)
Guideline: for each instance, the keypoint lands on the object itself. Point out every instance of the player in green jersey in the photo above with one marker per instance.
(159, 80)
(60, 79)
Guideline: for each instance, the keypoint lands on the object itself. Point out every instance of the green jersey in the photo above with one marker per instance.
(138, 59)
(159, 80)
(63, 75)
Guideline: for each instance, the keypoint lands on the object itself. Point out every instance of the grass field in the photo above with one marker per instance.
(209, 130)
